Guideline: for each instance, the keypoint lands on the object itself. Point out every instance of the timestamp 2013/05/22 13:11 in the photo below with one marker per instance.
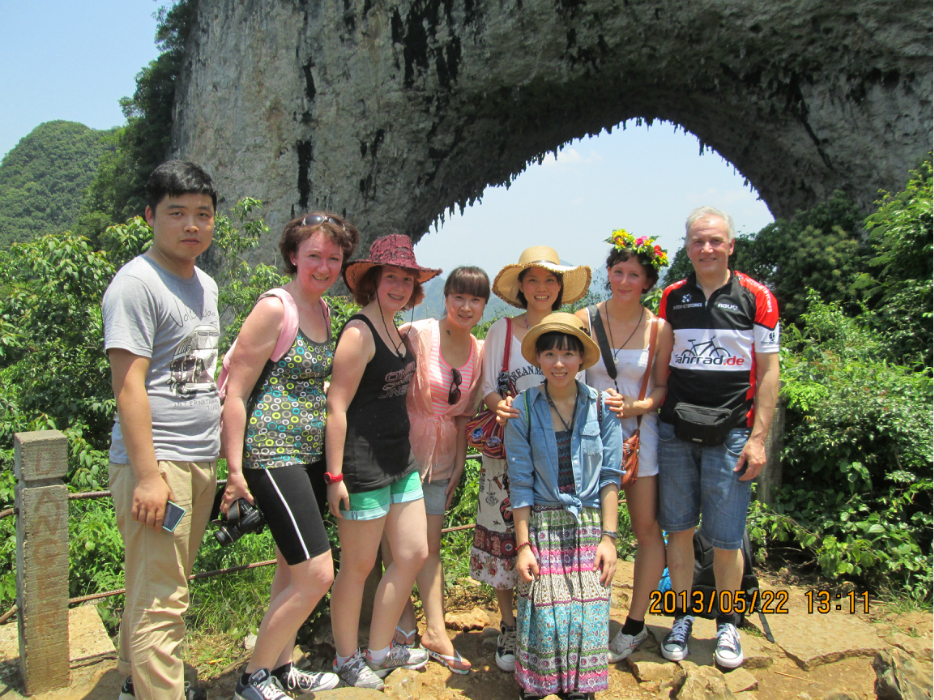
(768, 602)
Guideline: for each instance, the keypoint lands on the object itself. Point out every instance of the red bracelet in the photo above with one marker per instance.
(524, 544)
(330, 478)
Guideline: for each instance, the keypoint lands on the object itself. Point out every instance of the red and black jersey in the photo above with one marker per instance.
(713, 361)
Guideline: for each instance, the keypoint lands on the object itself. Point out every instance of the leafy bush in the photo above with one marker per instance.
(857, 459)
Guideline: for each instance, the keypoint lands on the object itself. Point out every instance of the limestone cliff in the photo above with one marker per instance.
(391, 112)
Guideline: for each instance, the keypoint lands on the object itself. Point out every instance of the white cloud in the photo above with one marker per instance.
(716, 198)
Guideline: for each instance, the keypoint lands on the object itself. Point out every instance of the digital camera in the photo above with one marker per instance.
(242, 519)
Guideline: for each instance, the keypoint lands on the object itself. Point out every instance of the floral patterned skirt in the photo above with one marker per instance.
(564, 615)
(493, 555)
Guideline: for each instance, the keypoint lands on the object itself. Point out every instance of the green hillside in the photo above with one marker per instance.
(43, 178)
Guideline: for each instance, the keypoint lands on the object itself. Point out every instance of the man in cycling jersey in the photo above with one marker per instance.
(722, 391)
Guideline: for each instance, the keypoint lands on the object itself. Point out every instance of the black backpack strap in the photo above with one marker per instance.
(596, 323)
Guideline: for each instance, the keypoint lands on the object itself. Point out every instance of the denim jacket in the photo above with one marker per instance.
(532, 453)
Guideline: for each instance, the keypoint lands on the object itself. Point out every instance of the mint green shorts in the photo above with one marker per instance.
(370, 505)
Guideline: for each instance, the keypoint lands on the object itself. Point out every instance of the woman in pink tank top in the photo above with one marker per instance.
(442, 397)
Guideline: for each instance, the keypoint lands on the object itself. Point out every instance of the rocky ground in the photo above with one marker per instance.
(820, 657)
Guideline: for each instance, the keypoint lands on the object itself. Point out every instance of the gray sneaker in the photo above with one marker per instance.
(260, 685)
(357, 674)
(729, 653)
(624, 644)
(675, 644)
(399, 656)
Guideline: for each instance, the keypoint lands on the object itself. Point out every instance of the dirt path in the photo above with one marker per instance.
(814, 656)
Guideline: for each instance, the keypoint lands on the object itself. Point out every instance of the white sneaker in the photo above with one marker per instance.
(306, 682)
(624, 644)
(675, 644)
(506, 648)
(729, 653)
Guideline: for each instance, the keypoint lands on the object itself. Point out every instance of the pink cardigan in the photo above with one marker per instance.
(434, 438)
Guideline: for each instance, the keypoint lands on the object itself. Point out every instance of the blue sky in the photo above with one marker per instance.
(70, 60)
(74, 61)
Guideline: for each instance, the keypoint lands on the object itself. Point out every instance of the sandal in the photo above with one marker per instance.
(448, 661)
(409, 637)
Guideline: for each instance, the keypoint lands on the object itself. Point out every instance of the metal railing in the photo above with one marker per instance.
(83, 495)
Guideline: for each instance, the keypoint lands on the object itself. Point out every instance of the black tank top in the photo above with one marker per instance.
(377, 450)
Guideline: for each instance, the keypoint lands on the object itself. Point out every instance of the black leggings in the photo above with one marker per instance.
(291, 499)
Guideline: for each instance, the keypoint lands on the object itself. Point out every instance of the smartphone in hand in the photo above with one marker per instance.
(173, 516)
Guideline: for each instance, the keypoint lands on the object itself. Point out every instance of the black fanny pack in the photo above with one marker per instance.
(705, 426)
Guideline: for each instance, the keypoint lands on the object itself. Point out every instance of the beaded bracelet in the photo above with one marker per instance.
(524, 544)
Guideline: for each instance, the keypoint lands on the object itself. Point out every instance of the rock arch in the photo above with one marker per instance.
(393, 111)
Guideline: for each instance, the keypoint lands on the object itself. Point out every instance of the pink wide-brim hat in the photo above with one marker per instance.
(394, 249)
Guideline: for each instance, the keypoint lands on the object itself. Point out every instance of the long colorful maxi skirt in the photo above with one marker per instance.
(564, 615)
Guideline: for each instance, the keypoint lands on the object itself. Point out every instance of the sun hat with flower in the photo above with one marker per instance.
(393, 249)
(576, 280)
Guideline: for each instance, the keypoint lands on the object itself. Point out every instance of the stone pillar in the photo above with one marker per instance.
(770, 479)
(41, 460)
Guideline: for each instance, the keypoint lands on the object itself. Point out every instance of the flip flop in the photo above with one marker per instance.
(447, 660)
(407, 635)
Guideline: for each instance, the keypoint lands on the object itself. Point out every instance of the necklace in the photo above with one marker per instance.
(569, 428)
(609, 328)
(395, 348)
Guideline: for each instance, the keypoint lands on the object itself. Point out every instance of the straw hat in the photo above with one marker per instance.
(576, 280)
(394, 249)
(563, 323)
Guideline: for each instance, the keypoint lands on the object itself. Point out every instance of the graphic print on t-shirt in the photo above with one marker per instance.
(195, 360)
(397, 382)
(722, 349)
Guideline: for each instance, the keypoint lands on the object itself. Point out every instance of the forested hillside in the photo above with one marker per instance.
(42, 180)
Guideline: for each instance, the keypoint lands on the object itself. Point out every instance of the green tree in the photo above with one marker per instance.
(54, 374)
(898, 283)
(817, 249)
(136, 149)
(43, 178)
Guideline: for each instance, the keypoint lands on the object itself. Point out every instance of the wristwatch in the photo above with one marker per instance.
(330, 478)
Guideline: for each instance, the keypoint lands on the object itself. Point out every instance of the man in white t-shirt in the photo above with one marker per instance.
(160, 333)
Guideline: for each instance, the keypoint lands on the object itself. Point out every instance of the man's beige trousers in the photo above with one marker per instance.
(157, 565)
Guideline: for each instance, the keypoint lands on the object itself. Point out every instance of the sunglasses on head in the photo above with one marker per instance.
(454, 393)
(316, 219)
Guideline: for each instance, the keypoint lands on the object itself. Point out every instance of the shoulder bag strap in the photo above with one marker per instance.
(289, 322)
(653, 334)
(528, 416)
(597, 324)
(508, 345)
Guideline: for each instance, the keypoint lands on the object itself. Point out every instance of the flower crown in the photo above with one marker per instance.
(622, 240)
